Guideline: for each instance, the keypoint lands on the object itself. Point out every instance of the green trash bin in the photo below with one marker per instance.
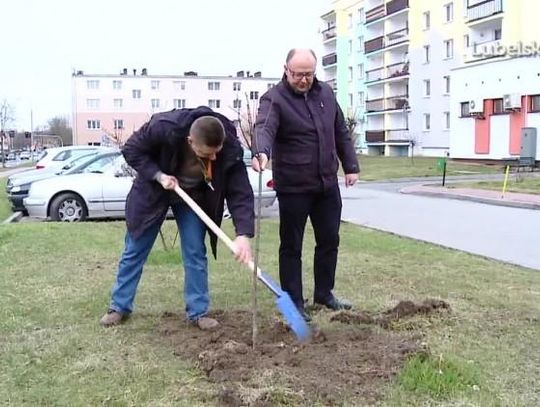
(441, 164)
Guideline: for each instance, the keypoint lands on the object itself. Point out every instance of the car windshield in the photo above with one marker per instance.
(100, 164)
(77, 161)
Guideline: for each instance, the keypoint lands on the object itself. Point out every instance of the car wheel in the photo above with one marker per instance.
(68, 208)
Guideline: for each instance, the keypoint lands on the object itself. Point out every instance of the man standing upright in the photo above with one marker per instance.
(302, 126)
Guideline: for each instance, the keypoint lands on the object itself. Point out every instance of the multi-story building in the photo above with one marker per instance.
(112, 107)
(496, 91)
(387, 77)
(343, 60)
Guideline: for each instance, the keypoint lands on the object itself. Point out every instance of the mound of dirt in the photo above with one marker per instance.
(349, 361)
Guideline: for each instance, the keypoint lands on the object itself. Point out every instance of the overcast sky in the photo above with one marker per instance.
(43, 41)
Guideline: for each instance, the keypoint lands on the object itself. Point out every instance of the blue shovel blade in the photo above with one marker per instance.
(293, 318)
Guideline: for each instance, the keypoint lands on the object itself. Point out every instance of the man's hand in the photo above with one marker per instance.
(167, 181)
(243, 249)
(350, 179)
(258, 163)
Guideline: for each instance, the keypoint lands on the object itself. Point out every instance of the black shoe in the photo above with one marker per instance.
(304, 315)
(335, 304)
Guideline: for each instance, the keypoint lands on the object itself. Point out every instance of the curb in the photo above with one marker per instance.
(15, 217)
(490, 201)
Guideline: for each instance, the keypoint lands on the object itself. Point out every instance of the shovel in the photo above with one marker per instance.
(284, 304)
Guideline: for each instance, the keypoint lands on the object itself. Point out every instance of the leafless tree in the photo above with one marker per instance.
(60, 127)
(7, 116)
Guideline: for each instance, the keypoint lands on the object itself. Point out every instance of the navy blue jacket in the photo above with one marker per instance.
(305, 135)
(156, 147)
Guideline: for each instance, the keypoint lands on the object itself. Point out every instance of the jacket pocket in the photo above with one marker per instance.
(291, 158)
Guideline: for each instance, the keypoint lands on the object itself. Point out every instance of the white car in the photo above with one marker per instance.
(100, 191)
(57, 156)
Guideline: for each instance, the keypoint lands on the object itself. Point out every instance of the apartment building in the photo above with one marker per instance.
(343, 60)
(111, 107)
(495, 93)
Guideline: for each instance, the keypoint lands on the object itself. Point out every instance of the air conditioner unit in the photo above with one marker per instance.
(512, 101)
(476, 106)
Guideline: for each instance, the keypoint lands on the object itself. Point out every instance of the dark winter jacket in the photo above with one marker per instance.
(305, 135)
(156, 146)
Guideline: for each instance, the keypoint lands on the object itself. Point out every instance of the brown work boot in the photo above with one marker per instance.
(206, 323)
(111, 318)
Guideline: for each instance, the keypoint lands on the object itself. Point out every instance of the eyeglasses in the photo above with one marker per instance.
(301, 75)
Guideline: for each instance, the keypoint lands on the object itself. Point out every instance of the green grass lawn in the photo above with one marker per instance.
(375, 168)
(515, 184)
(5, 208)
(55, 281)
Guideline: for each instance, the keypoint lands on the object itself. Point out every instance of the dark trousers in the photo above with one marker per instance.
(324, 211)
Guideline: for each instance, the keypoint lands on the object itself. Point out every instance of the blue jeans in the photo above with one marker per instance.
(192, 234)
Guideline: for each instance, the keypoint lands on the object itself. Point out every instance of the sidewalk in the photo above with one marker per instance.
(513, 199)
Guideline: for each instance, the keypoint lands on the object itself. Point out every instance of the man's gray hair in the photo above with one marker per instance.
(293, 51)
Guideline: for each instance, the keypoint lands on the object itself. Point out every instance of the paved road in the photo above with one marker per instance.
(502, 233)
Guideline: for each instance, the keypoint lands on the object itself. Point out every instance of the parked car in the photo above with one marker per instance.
(25, 155)
(57, 156)
(18, 185)
(100, 191)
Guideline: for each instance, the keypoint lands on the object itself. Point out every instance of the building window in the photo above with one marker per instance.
(350, 47)
(350, 19)
(154, 85)
(465, 112)
(446, 116)
(497, 34)
(270, 85)
(361, 71)
(93, 124)
(361, 16)
(466, 41)
(254, 95)
(361, 43)
(136, 93)
(179, 85)
(118, 124)
(92, 103)
(179, 103)
(118, 103)
(427, 121)
(117, 85)
(498, 106)
(449, 48)
(92, 84)
(427, 87)
(426, 54)
(213, 85)
(350, 73)
(237, 85)
(361, 99)
(448, 12)
(535, 103)
(427, 20)
(155, 103)
(446, 84)
(214, 103)
(237, 104)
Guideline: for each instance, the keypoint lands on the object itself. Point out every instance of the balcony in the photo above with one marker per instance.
(381, 136)
(395, 6)
(329, 59)
(387, 104)
(374, 136)
(389, 72)
(329, 33)
(332, 83)
(375, 14)
(397, 37)
(374, 45)
(484, 9)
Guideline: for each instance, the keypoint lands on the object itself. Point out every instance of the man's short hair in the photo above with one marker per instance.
(293, 51)
(208, 130)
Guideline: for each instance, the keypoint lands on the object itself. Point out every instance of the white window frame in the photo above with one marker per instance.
(426, 123)
(93, 124)
(214, 85)
(427, 54)
(92, 104)
(427, 88)
(154, 85)
(214, 103)
(136, 93)
(118, 103)
(237, 86)
(446, 80)
(448, 49)
(117, 84)
(449, 12)
(446, 120)
(92, 84)
(155, 102)
(118, 124)
(179, 103)
(426, 20)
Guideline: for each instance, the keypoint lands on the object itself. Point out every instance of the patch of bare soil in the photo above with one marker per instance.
(350, 361)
